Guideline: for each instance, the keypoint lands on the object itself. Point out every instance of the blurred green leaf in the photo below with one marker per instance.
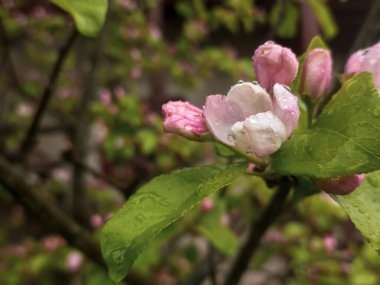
(284, 19)
(345, 139)
(155, 206)
(89, 15)
(220, 236)
(324, 17)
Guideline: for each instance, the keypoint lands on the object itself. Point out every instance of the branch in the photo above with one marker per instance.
(258, 229)
(46, 209)
(29, 138)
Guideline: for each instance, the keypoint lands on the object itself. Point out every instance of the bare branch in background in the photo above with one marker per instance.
(47, 210)
(30, 136)
(258, 229)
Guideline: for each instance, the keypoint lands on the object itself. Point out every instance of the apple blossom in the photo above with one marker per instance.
(184, 119)
(250, 121)
(317, 73)
(274, 64)
(341, 185)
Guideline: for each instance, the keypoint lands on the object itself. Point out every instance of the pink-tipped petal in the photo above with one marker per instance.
(317, 73)
(220, 115)
(259, 135)
(285, 107)
(184, 119)
(341, 185)
(274, 64)
(251, 98)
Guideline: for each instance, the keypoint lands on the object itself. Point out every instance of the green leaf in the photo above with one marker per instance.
(363, 207)
(284, 19)
(155, 206)
(316, 42)
(89, 15)
(345, 140)
(324, 17)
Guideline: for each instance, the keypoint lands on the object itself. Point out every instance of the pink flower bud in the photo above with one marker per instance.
(274, 64)
(184, 119)
(354, 63)
(207, 205)
(341, 185)
(367, 60)
(317, 73)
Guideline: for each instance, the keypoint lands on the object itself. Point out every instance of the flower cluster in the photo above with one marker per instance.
(255, 118)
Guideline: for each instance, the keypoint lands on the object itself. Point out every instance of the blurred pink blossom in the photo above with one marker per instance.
(105, 96)
(135, 73)
(135, 54)
(52, 243)
(96, 221)
(61, 174)
(128, 5)
(330, 243)
(74, 261)
(207, 205)
(25, 109)
(100, 131)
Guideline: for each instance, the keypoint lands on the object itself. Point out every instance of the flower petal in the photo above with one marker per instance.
(285, 107)
(251, 98)
(259, 135)
(220, 115)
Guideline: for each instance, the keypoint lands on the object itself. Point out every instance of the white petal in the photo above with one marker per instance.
(251, 98)
(285, 106)
(220, 115)
(261, 134)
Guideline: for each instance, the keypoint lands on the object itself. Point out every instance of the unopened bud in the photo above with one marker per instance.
(274, 64)
(354, 63)
(341, 185)
(317, 73)
(184, 119)
(367, 60)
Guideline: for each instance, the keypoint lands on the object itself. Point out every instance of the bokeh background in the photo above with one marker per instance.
(101, 138)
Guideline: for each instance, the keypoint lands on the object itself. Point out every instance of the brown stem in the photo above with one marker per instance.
(29, 138)
(259, 227)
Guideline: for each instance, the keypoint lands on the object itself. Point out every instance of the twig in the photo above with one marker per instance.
(269, 215)
(46, 209)
(29, 138)
(78, 163)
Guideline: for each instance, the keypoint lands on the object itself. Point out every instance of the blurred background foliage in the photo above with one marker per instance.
(102, 137)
